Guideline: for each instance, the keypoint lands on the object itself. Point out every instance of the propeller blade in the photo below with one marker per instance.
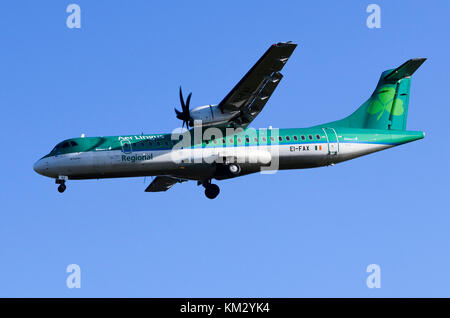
(188, 101)
(184, 114)
(183, 106)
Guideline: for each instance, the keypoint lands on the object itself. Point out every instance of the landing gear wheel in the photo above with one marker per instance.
(212, 190)
(62, 188)
(234, 169)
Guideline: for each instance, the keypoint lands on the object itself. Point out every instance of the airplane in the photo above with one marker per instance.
(218, 143)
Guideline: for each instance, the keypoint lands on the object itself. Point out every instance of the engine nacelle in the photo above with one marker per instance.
(210, 115)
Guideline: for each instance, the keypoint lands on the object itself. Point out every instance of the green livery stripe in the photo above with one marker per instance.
(246, 138)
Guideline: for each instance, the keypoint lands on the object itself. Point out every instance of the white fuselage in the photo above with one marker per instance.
(198, 163)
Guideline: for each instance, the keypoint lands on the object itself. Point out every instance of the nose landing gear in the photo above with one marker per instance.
(61, 180)
(61, 188)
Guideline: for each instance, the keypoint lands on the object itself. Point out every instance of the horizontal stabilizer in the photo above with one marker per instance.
(405, 70)
(162, 183)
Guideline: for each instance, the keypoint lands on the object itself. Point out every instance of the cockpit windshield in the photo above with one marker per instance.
(64, 145)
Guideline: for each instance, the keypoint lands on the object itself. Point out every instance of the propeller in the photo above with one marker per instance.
(184, 114)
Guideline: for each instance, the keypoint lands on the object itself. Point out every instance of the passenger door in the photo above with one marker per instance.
(126, 146)
(333, 141)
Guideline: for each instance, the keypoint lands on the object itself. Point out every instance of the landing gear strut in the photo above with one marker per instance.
(211, 190)
(61, 180)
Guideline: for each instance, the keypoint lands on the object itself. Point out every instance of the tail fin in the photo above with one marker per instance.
(387, 107)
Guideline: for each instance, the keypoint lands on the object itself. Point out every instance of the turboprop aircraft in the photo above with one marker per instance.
(218, 144)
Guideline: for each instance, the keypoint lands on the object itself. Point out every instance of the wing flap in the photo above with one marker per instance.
(263, 96)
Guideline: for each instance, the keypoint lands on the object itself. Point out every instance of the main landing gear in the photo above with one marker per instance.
(211, 190)
(61, 180)
(223, 171)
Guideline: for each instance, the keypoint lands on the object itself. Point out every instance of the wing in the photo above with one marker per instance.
(253, 91)
(162, 183)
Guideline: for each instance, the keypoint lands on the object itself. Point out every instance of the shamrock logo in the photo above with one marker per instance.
(383, 101)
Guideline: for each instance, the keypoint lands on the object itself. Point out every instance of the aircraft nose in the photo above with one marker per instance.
(39, 167)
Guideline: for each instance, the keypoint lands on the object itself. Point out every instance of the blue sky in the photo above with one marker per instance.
(303, 233)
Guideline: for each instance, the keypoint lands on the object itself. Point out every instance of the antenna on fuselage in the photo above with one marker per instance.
(82, 135)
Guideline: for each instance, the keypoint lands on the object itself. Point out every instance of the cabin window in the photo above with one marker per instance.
(280, 138)
(310, 137)
(231, 140)
(272, 138)
(264, 139)
(158, 144)
(256, 139)
(247, 139)
(318, 137)
(295, 138)
(206, 141)
(303, 137)
(288, 138)
(215, 141)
